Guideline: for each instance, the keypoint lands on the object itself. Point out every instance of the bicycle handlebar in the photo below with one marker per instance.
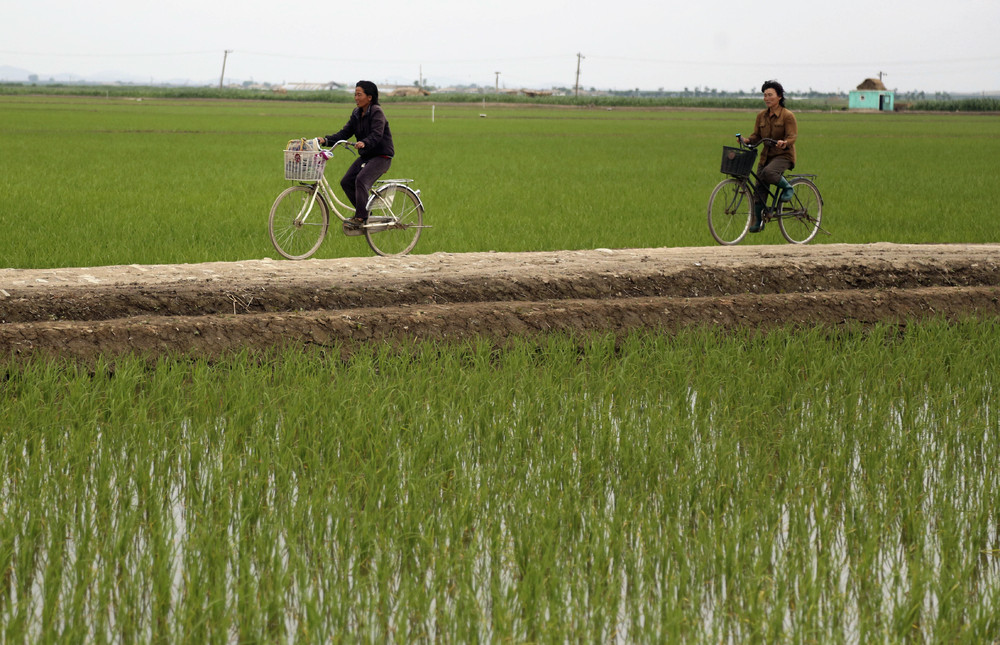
(751, 146)
(328, 152)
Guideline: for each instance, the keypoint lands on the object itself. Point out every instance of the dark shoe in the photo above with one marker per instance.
(355, 223)
(757, 219)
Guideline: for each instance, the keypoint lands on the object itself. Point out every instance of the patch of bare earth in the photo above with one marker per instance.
(213, 308)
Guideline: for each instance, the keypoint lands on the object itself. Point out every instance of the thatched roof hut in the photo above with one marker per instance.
(410, 91)
(872, 95)
(872, 84)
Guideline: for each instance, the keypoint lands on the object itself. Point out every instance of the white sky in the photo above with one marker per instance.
(826, 45)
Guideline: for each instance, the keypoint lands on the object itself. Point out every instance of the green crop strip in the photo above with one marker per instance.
(105, 181)
(826, 484)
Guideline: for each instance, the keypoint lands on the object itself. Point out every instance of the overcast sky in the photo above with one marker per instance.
(828, 45)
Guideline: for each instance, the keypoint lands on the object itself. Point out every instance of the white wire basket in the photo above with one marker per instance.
(304, 165)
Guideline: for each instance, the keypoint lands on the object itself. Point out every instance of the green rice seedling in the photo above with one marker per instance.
(91, 181)
(803, 484)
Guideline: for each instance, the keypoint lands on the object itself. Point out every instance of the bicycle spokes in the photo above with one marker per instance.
(735, 203)
(307, 206)
(298, 222)
(395, 220)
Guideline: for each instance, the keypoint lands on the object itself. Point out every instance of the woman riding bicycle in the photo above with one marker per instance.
(778, 123)
(370, 128)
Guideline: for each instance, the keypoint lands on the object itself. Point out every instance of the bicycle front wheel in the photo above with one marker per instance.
(395, 219)
(800, 218)
(297, 230)
(729, 210)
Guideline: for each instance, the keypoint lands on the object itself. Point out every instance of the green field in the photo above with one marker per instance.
(804, 486)
(101, 181)
(821, 484)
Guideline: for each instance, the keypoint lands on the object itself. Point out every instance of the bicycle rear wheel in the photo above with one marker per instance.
(293, 234)
(395, 218)
(800, 218)
(729, 210)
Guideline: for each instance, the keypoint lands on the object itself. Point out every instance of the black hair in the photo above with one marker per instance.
(776, 86)
(370, 89)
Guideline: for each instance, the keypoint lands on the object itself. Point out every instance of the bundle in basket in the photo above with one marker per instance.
(301, 165)
(737, 161)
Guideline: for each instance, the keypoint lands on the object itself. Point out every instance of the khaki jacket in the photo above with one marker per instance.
(775, 126)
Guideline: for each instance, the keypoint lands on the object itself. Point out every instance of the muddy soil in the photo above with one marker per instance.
(213, 308)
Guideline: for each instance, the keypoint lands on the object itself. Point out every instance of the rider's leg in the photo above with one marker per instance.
(769, 174)
(773, 173)
(349, 180)
(371, 170)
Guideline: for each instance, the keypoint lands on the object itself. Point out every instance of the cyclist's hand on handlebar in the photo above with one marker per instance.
(781, 145)
(359, 145)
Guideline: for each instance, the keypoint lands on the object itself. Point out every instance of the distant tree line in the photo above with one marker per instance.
(688, 97)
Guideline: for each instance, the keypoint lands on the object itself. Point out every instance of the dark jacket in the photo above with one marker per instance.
(372, 129)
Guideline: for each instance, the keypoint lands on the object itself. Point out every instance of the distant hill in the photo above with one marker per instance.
(15, 74)
(10, 74)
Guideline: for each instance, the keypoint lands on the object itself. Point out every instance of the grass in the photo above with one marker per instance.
(103, 181)
(825, 484)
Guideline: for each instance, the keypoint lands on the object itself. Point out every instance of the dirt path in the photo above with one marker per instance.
(212, 308)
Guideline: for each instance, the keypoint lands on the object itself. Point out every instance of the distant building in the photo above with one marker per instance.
(312, 87)
(871, 95)
(407, 90)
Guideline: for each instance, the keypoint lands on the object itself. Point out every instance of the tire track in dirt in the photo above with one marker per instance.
(214, 308)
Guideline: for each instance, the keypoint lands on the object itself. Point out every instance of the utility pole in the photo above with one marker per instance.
(498, 82)
(579, 57)
(225, 55)
(880, 75)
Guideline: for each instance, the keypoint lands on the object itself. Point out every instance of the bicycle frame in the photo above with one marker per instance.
(323, 186)
(297, 226)
(772, 203)
(731, 206)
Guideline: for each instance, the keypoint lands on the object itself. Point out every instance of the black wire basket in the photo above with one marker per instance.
(737, 162)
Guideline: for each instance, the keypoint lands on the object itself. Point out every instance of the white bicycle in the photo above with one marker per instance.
(300, 216)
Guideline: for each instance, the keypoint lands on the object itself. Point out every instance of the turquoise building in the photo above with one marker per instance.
(871, 95)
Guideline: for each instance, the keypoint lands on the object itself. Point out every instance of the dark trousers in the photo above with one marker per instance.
(360, 178)
(769, 175)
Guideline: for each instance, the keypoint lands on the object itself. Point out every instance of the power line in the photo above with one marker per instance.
(513, 59)
(786, 64)
(129, 55)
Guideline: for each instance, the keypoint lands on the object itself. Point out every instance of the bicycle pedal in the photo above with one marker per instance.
(352, 231)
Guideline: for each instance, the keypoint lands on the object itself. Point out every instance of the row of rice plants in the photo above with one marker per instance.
(826, 484)
(88, 181)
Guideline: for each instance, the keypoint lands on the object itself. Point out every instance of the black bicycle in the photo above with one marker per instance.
(730, 208)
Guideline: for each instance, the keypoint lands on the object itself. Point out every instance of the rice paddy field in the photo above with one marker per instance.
(807, 486)
(812, 483)
(93, 181)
